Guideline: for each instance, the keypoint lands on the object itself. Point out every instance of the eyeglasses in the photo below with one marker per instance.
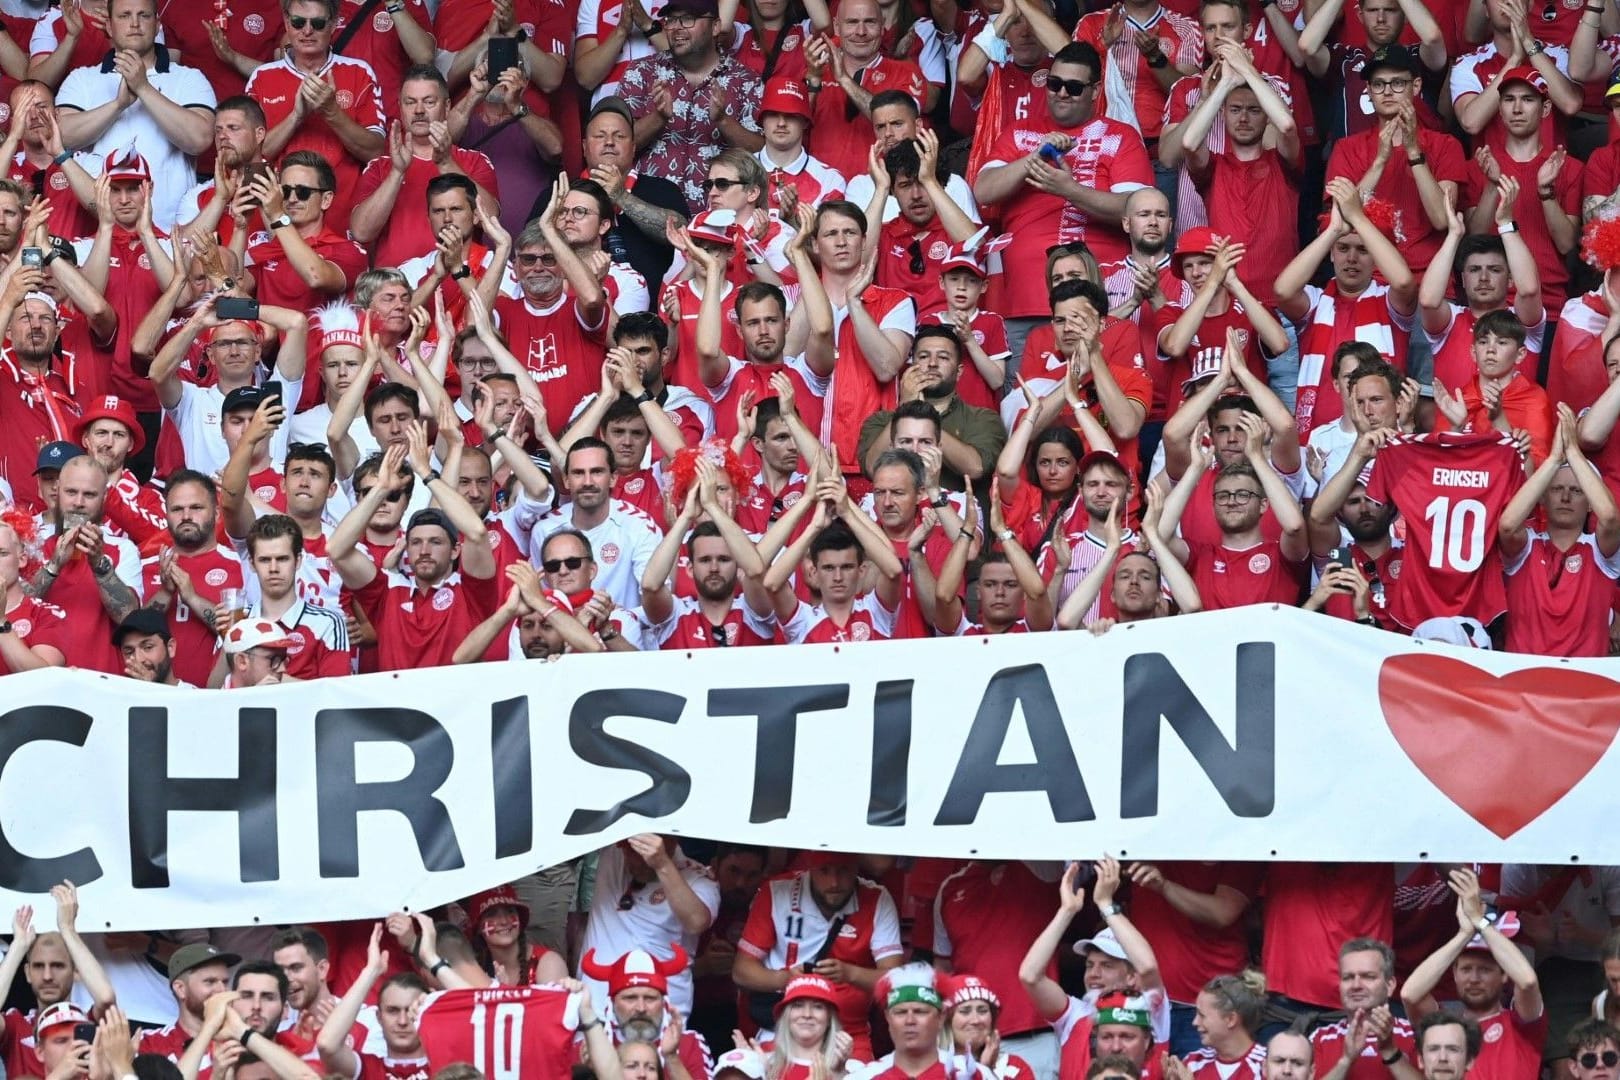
(298, 22)
(915, 251)
(572, 562)
(721, 184)
(392, 496)
(301, 192)
(1236, 498)
(628, 900)
(1389, 86)
(683, 19)
(232, 344)
(1610, 1059)
(579, 213)
(543, 260)
(1068, 87)
(477, 362)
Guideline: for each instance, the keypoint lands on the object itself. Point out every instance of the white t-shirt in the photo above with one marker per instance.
(622, 544)
(197, 417)
(173, 172)
(649, 923)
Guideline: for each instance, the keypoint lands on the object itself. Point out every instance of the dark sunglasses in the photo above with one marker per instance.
(719, 183)
(301, 192)
(915, 251)
(543, 260)
(298, 22)
(1610, 1059)
(573, 562)
(392, 496)
(1068, 87)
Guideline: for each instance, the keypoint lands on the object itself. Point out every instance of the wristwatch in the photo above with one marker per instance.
(940, 501)
(395, 7)
(280, 222)
(464, 272)
(1415, 160)
(430, 477)
(5, 626)
(1108, 911)
(1006, 536)
(102, 566)
(645, 397)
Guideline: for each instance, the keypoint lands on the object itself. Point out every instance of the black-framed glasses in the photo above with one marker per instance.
(721, 184)
(314, 22)
(301, 192)
(1389, 86)
(915, 251)
(572, 562)
(628, 900)
(683, 19)
(543, 260)
(1610, 1059)
(1241, 497)
(392, 496)
(721, 635)
(1068, 87)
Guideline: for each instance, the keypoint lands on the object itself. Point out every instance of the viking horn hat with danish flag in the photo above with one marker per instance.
(638, 967)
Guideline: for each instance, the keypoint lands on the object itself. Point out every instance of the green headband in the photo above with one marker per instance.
(1119, 1014)
(927, 995)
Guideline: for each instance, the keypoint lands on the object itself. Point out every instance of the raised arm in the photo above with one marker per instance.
(1043, 990)
(1073, 613)
(332, 1043)
(657, 598)
(353, 566)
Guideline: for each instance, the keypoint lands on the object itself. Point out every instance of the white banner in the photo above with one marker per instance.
(1253, 734)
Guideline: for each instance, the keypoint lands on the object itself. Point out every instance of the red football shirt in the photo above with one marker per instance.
(1560, 599)
(1107, 156)
(1415, 235)
(253, 28)
(842, 140)
(1310, 910)
(1510, 1047)
(1328, 1042)
(1532, 219)
(408, 232)
(417, 629)
(1451, 488)
(1179, 39)
(501, 1031)
(984, 917)
(1192, 953)
(377, 43)
(1211, 334)
(1228, 578)
(562, 353)
(279, 283)
(37, 623)
(212, 570)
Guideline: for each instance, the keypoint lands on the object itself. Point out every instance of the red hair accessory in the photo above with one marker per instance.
(27, 529)
(1600, 242)
(683, 469)
(1381, 212)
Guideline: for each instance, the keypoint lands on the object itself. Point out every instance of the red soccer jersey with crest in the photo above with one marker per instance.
(1451, 488)
(683, 371)
(1211, 334)
(1107, 155)
(1510, 1047)
(409, 233)
(1229, 578)
(1328, 1043)
(1198, 524)
(1179, 39)
(419, 628)
(1310, 910)
(386, 1068)
(1414, 234)
(842, 140)
(989, 330)
(688, 628)
(275, 87)
(1560, 600)
(212, 570)
(909, 259)
(377, 43)
(37, 623)
(279, 283)
(868, 620)
(501, 1031)
(562, 353)
(1206, 1064)
(1191, 953)
(33, 411)
(68, 216)
(252, 27)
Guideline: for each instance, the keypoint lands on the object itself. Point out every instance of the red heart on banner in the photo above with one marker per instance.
(1503, 748)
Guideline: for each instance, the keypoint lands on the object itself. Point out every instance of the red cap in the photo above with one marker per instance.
(1195, 241)
(959, 988)
(116, 408)
(785, 95)
(1206, 364)
(1526, 74)
(715, 226)
(480, 904)
(126, 164)
(807, 988)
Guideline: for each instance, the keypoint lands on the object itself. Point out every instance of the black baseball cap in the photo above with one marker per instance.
(243, 397)
(432, 515)
(1390, 58)
(142, 621)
